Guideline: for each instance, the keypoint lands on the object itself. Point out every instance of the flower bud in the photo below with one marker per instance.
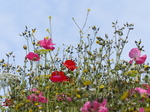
(25, 47)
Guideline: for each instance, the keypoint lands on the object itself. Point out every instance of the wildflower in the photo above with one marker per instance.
(58, 76)
(33, 56)
(136, 56)
(78, 96)
(101, 86)
(71, 65)
(103, 107)
(144, 110)
(87, 83)
(47, 44)
(7, 102)
(34, 90)
(95, 106)
(30, 110)
(140, 90)
(125, 95)
(37, 97)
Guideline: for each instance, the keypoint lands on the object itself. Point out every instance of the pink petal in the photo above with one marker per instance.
(148, 90)
(34, 90)
(104, 109)
(33, 56)
(140, 90)
(47, 44)
(131, 61)
(134, 53)
(141, 109)
(141, 59)
(104, 103)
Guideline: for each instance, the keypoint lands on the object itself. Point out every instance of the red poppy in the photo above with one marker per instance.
(7, 102)
(71, 65)
(58, 76)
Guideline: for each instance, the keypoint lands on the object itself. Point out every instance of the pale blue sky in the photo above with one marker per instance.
(15, 14)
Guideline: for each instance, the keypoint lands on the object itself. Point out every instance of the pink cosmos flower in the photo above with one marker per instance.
(141, 109)
(34, 90)
(140, 90)
(135, 54)
(94, 106)
(102, 106)
(148, 91)
(143, 91)
(37, 97)
(47, 44)
(33, 56)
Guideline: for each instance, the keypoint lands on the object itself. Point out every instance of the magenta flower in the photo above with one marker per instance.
(148, 91)
(47, 44)
(94, 106)
(102, 106)
(141, 109)
(135, 54)
(140, 90)
(38, 97)
(33, 56)
(34, 90)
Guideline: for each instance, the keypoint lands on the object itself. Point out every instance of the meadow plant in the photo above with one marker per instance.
(89, 77)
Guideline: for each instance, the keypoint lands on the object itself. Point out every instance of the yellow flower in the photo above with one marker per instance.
(87, 83)
(98, 42)
(30, 110)
(132, 73)
(27, 100)
(37, 92)
(33, 30)
(23, 91)
(47, 37)
(36, 104)
(101, 86)
(39, 107)
(47, 87)
(146, 66)
(36, 78)
(85, 71)
(125, 95)
(89, 10)
(146, 109)
(4, 65)
(50, 17)
(78, 96)
(135, 96)
(48, 30)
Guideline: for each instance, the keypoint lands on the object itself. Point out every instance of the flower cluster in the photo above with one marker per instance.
(86, 78)
(37, 96)
(46, 43)
(95, 106)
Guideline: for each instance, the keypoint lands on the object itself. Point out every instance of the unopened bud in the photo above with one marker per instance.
(25, 47)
